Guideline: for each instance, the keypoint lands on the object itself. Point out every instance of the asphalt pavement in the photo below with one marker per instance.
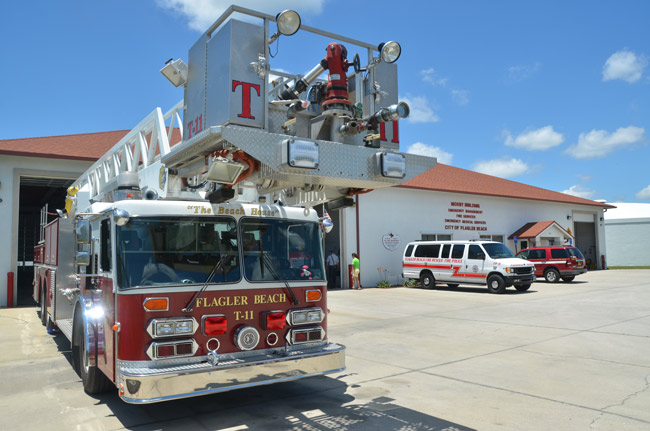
(565, 356)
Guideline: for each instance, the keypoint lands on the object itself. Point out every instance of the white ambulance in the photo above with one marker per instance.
(466, 262)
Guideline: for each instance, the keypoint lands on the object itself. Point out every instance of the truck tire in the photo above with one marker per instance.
(496, 284)
(568, 278)
(94, 381)
(427, 280)
(44, 306)
(45, 318)
(523, 287)
(551, 275)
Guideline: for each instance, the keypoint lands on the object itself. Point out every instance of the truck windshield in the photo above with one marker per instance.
(497, 250)
(281, 250)
(174, 250)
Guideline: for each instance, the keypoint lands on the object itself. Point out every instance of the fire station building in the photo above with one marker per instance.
(441, 204)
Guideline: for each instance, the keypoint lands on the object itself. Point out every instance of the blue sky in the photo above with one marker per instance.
(554, 94)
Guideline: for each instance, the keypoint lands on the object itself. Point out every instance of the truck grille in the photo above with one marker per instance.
(523, 270)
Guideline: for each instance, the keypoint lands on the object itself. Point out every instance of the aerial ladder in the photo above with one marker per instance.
(247, 132)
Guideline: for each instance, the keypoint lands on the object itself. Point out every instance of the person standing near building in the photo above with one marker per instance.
(356, 270)
(332, 269)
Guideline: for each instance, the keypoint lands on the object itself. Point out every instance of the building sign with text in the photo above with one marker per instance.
(465, 216)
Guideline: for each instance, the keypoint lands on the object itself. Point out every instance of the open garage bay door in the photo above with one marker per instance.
(35, 193)
(586, 241)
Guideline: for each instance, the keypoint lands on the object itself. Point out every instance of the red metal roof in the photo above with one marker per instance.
(445, 178)
(532, 229)
(87, 146)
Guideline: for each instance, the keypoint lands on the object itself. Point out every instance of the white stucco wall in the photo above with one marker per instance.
(408, 213)
(11, 169)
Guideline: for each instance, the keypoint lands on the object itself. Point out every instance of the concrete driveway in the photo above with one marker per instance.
(559, 357)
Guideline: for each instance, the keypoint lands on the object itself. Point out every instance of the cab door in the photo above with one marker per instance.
(474, 267)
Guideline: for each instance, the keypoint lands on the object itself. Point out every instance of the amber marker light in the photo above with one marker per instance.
(313, 295)
(156, 304)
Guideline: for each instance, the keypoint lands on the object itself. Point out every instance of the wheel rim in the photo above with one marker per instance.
(495, 284)
(550, 276)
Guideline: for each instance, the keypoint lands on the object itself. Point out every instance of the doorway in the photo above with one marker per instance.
(34, 194)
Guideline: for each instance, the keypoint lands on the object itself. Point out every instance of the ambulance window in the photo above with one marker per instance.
(475, 252)
(445, 250)
(408, 251)
(457, 251)
(427, 250)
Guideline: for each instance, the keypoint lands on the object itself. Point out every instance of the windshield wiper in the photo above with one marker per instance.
(214, 270)
(266, 259)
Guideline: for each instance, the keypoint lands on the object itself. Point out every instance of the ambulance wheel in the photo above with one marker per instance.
(427, 280)
(551, 275)
(568, 278)
(93, 379)
(496, 284)
(523, 287)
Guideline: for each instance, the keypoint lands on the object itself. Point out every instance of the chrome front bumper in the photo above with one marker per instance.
(147, 385)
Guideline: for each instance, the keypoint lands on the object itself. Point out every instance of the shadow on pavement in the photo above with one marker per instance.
(314, 404)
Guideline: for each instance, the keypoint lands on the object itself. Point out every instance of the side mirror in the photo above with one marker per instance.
(82, 231)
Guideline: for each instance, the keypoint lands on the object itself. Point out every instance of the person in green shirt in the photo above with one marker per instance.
(355, 272)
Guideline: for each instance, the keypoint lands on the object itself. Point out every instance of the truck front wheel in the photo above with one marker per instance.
(94, 381)
(496, 284)
(552, 276)
(427, 280)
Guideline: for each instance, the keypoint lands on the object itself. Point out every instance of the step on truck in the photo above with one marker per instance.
(188, 259)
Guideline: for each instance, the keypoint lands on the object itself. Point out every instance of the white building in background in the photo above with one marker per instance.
(452, 203)
(627, 229)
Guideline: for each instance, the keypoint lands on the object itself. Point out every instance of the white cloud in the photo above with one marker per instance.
(599, 143)
(535, 140)
(429, 75)
(503, 168)
(425, 150)
(625, 65)
(421, 112)
(202, 13)
(644, 194)
(460, 97)
(579, 191)
(522, 72)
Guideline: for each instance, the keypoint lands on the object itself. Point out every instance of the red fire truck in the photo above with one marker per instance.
(189, 266)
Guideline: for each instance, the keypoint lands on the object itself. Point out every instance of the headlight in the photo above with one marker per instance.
(305, 316)
(159, 328)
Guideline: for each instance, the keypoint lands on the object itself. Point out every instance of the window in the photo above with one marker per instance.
(475, 252)
(105, 238)
(427, 250)
(497, 250)
(408, 251)
(497, 238)
(445, 250)
(559, 253)
(574, 252)
(457, 251)
(540, 254)
(157, 251)
(436, 237)
(282, 250)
